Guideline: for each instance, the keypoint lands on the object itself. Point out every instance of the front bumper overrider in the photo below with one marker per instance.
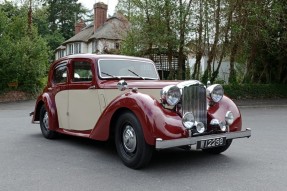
(163, 144)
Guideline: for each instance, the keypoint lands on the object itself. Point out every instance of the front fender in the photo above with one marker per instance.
(219, 110)
(156, 121)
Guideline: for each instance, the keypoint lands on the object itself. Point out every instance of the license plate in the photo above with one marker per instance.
(210, 143)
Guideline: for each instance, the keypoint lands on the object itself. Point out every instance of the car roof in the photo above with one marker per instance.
(101, 56)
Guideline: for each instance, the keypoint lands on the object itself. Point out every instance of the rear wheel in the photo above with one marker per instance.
(218, 150)
(130, 143)
(44, 124)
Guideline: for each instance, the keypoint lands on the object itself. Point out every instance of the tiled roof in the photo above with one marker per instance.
(82, 36)
(61, 48)
(114, 29)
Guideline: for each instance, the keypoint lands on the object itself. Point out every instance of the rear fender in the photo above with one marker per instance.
(45, 99)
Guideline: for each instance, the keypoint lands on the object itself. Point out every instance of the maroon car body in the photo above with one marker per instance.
(110, 96)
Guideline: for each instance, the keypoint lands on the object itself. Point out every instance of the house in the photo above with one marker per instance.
(103, 35)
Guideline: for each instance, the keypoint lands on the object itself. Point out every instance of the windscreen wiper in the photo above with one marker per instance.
(136, 74)
(110, 75)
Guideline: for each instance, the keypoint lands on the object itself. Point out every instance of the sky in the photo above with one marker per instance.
(89, 4)
(111, 4)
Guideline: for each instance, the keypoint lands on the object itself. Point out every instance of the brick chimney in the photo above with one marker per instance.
(100, 14)
(79, 26)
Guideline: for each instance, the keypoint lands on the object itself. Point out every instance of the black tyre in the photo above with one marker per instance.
(130, 143)
(44, 124)
(218, 150)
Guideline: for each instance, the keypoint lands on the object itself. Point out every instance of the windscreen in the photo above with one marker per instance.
(127, 69)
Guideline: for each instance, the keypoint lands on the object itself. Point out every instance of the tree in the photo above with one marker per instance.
(250, 34)
(161, 25)
(40, 20)
(213, 49)
(24, 54)
(264, 47)
(62, 16)
(184, 20)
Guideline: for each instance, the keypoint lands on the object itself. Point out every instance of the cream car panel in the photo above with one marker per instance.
(61, 99)
(84, 109)
(86, 106)
(152, 92)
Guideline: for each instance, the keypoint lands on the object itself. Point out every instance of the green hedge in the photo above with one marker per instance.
(250, 91)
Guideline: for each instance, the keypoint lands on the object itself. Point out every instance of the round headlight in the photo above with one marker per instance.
(229, 118)
(200, 127)
(171, 95)
(188, 120)
(215, 92)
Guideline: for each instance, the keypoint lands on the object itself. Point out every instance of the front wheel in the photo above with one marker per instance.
(218, 150)
(44, 124)
(130, 143)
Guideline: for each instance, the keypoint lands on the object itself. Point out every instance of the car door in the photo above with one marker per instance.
(83, 108)
(59, 90)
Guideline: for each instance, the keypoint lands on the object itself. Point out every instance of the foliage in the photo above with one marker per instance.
(157, 25)
(252, 91)
(62, 15)
(53, 38)
(24, 54)
(249, 33)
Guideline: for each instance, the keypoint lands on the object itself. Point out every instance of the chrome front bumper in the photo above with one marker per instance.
(163, 144)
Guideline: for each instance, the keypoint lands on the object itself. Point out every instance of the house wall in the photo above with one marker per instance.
(101, 44)
(84, 47)
(60, 53)
(88, 48)
(106, 44)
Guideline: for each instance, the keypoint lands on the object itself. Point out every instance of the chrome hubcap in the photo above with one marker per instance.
(129, 139)
(46, 121)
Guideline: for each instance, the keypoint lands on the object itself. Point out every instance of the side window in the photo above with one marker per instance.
(82, 72)
(60, 74)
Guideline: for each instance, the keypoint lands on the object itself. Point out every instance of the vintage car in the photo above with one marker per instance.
(104, 97)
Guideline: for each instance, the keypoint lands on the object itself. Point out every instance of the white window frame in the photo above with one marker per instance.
(71, 49)
(77, 48)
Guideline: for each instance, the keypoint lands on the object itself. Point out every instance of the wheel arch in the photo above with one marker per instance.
(219, 110)
(115, 118)
(37, 110)
(49, 103)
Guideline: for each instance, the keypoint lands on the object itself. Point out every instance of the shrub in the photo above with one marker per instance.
(252, 91)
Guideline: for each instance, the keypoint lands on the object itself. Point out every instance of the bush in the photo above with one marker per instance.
(251, 91)
(24, 53)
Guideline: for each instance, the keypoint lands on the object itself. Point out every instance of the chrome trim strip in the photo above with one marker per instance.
(163, 144)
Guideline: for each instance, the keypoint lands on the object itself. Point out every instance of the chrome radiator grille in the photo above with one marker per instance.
(194, 100)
